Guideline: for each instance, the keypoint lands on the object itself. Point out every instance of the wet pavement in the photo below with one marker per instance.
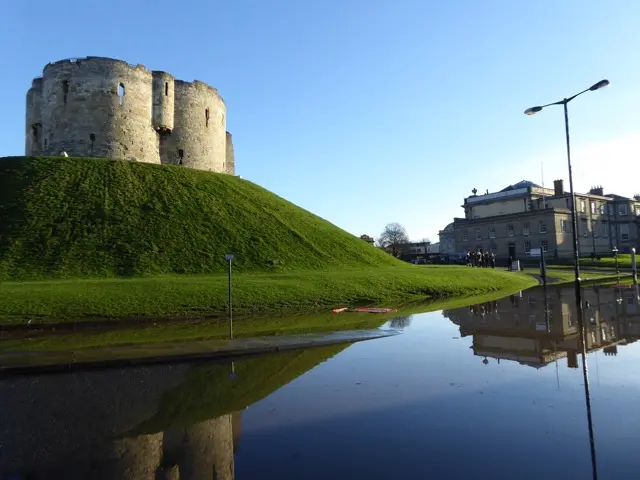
(171, 352)
(491, 391)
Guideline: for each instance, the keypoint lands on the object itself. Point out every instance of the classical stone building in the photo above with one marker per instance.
(525, 216)
(447, 240)
(102, 107)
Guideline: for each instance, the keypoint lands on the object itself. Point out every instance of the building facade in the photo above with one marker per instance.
(103, 107)
(447, 238)
(525, 216)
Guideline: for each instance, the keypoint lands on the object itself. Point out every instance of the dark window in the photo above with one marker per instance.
(65, 90)
(45, 143)
(34, 130)
(121, 92)
(166, 89)
(206, 117)
(92, 137)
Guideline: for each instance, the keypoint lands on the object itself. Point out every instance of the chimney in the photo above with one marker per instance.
(558, 187)
(597, 191)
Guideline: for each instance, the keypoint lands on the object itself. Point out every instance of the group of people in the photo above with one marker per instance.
(478, 258)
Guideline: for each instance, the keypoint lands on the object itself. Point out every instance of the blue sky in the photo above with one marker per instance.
(369, 112)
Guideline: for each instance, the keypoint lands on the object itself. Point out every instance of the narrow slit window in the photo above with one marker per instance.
(34, 130)
(206, 117)
(166, 89)
(65, 90)
(121, 92)
(45, 143)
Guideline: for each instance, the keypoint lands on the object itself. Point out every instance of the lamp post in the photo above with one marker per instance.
(615, 255)
(229, 258)
(574, 219)
(576, 256)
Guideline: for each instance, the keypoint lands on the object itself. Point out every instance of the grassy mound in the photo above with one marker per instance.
(75, 217)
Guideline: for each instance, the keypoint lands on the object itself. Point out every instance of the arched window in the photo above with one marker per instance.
(121, 92)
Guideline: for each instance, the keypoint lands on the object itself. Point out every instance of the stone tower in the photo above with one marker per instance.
(101, 107)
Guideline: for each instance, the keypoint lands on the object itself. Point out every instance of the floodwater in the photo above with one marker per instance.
(491, 391)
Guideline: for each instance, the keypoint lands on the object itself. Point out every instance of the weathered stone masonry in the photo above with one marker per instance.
(102, 107)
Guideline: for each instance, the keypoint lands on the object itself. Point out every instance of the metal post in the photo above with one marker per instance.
(543, 268)
(634, 266)
(229, 259)
(578, 293)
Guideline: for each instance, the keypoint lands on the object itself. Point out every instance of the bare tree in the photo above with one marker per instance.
(392, 237)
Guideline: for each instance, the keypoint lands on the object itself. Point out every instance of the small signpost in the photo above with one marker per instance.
(229, 258)
(634, 266)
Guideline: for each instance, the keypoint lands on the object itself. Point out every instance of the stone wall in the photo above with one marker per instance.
(102, 107)
(199, 133)
(230, 156)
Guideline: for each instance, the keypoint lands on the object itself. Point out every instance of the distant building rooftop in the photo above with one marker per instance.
(521, 184)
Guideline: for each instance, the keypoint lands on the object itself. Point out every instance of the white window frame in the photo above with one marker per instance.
(623, 211)
(563, 226)
(492, 232)
(526, 229)
(543, 227)
(511, 231)
(465, 235)
(527, 247)
(585, 227)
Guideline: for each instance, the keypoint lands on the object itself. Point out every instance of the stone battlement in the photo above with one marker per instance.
(105, 107)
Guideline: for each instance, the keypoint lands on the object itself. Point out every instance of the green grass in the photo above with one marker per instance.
(72, 300)
(218, 328)
(87, 239)
(74, 217)
(624, 262)
(562, 275)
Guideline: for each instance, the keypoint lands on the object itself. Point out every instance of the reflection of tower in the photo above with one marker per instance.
(202, 451)
(133, 458)
(236, 420)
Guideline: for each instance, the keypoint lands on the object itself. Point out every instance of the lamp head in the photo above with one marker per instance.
(599, 85)
(532, 110)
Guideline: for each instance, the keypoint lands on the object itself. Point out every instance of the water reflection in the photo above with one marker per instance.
(517, 328)
(165, 422)
(340, 421)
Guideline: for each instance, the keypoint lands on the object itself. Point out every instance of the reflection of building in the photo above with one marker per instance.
(516, 328)
(524, 216)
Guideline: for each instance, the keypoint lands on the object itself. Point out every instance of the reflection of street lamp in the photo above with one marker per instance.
(576, 256)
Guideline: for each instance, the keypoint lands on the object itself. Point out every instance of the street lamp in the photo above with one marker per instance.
(576, 250)
(615, 255)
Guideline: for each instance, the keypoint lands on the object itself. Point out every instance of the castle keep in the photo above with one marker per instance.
(102, 107)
